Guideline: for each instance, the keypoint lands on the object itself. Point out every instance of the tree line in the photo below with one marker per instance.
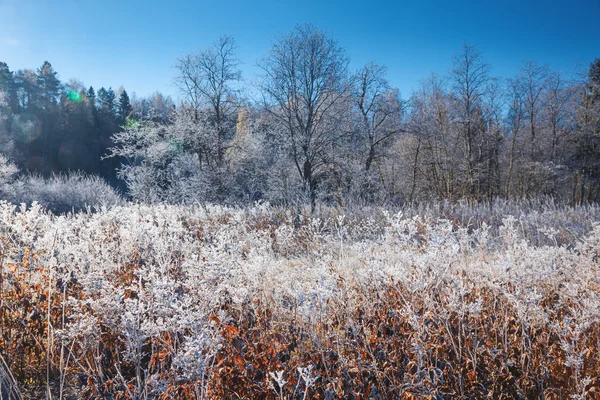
(316, 131)
(47, 126)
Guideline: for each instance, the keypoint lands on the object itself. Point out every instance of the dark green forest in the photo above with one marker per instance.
(54, 126)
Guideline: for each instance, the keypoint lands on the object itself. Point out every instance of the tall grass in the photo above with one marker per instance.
(167, 302)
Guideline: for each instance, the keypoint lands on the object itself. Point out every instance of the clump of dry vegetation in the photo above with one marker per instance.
(167, 302)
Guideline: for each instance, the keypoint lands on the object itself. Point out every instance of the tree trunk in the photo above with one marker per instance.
(311, 185)
(414, 171)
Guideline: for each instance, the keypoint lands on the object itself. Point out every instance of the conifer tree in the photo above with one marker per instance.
(48, 84)
(91, 95)
(125, 107)
(7, 85)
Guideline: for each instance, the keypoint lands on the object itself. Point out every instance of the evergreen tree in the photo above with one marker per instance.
(101, 96)
(108, 126)
(92, 109)
(77, 133)
(91, 95)
(107, 105)
(48, 87)
(125, 108)
(48, 84)
(7, 85)
(27, 89)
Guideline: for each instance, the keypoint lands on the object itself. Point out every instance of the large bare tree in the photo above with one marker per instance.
(435, 156)
(305, 86)
(533, 79)
(208, 79)
(380, 110)
(515, 118)
(558, 112)
(470, 75)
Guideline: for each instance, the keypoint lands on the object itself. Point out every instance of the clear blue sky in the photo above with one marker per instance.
(135, 43)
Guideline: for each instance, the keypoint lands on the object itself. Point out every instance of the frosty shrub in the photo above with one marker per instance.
(8, 172)
(194, 302)
(63, 193)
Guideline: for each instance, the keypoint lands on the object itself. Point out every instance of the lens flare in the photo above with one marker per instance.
(74, 96)
(131, 123)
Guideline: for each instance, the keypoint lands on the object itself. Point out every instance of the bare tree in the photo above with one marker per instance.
(304, 88)
(587, 139)
(514, 122)
(435, 157)
(558, 108)
(380, 109)
(533, 80)
(207, 80)
(493, 107)
(470, 75)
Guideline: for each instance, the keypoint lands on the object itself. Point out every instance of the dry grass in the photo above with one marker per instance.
(172, 303)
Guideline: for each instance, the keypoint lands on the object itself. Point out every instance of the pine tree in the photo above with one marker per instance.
(49, 85)
(101, 96)
(125, 107)
(27, 89)
(108, 125)
(7, 85)
(93, 111)
(91, 95)
(107, 105)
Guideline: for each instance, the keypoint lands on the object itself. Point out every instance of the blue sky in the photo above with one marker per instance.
(135, 43)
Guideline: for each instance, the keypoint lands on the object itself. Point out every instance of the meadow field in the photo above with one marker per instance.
(170, 302)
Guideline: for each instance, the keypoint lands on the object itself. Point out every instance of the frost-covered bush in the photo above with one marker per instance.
(163, 166)
(207, 301)
(63, 193)
(8, 172)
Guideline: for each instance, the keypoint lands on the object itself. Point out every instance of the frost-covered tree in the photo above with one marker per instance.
(587, 139)
(145, 149)
(380, 109)
(514, 130)
(435, 147)
(8, 172)
(558, 115)
(532, 79)
(378, 123)
(208, 80)
(155, 107)
(251, 157)
(304, 87)
(160, 164)
(470, 75)
(490, 145)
